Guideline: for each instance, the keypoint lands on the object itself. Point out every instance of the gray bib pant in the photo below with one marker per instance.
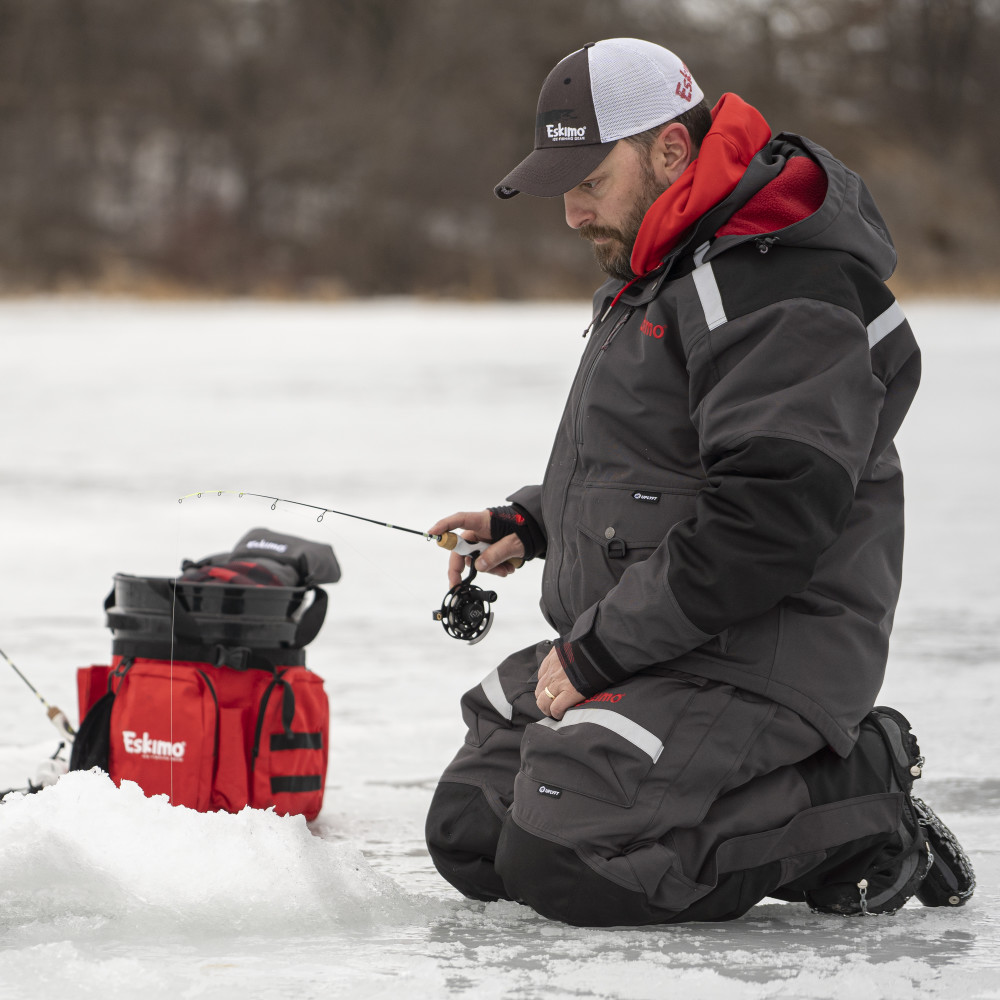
(667, 798)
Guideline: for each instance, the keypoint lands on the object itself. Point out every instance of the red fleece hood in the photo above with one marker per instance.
(737, 134)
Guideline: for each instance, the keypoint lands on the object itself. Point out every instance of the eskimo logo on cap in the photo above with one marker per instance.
(566, 132)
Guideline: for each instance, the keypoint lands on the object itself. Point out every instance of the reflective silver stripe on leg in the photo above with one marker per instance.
(626, 728)
(493, 690)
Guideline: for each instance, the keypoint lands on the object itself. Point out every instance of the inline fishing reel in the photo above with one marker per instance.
(465, 611)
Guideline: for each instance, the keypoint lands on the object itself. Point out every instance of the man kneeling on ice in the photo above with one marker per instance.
(722, 526)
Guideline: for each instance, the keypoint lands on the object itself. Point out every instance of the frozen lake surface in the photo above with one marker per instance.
(405, 411)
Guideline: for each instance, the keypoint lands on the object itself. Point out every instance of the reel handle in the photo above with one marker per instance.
(455, 543)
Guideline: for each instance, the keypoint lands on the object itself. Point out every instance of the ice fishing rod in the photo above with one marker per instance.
(449, 540)
(56, 715)
(465, 611)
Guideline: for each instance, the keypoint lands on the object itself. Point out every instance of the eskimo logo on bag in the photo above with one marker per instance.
(150, 749)
(263, 543)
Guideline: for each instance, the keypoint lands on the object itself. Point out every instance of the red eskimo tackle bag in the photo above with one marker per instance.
(208, 699)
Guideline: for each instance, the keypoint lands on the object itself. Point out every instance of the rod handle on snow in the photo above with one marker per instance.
(59, 720)
(455, 543)
(55, 714)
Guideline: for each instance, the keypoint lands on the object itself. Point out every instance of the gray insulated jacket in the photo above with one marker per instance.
(723, 496)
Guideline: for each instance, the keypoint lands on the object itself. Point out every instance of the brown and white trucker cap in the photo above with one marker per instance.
(597, 95)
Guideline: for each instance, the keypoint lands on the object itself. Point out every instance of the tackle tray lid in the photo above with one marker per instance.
(152, 595)
(140, 608)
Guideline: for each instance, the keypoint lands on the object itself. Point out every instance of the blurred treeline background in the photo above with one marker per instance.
(350, 147)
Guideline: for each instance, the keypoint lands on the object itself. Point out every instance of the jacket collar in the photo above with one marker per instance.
(737, 134)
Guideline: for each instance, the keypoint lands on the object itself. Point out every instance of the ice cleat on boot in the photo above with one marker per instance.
(898, 873)
(883, 888)
(951, 881)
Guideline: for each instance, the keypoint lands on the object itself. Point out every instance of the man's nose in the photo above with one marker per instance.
(577, 212)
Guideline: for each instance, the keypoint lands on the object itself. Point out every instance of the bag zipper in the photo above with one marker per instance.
(215, 698)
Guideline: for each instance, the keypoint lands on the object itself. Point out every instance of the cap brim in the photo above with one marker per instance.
(553, 170)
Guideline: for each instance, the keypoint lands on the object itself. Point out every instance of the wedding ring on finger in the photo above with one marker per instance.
(549, 693)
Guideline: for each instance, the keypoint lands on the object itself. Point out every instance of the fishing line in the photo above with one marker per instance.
(465, 611)
(173, 625)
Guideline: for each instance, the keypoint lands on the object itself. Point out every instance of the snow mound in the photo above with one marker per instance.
(86, 849)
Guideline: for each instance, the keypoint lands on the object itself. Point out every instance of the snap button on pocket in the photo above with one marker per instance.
(609, 532)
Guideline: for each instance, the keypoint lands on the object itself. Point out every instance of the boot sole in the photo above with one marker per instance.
(951, 881)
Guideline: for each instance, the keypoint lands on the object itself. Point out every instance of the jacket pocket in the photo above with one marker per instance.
(592, 751)
(616, 527)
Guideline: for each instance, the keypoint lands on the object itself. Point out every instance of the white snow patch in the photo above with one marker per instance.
(85, 851)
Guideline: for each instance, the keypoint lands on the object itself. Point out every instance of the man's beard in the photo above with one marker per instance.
(615, 257)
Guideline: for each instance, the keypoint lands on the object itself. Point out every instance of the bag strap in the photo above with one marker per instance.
(118, 674)
(218, 655)
(312, 619)
(287, 713)
(93, 738)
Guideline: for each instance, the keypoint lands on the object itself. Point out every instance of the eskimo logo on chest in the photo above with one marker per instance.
(656, 331)
(150, 749)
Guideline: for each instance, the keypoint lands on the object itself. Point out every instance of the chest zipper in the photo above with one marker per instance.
(595, 323)
(619, 323)
(614, 330)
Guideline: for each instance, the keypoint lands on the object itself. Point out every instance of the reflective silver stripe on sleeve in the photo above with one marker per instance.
(493, 690)
(708, 293)
(883, 325)
(626, 728)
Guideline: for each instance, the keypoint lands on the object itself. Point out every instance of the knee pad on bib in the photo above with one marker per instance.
(554, 882)
(462, 832)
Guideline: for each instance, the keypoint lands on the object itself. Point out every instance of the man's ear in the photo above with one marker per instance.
(671, 153)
